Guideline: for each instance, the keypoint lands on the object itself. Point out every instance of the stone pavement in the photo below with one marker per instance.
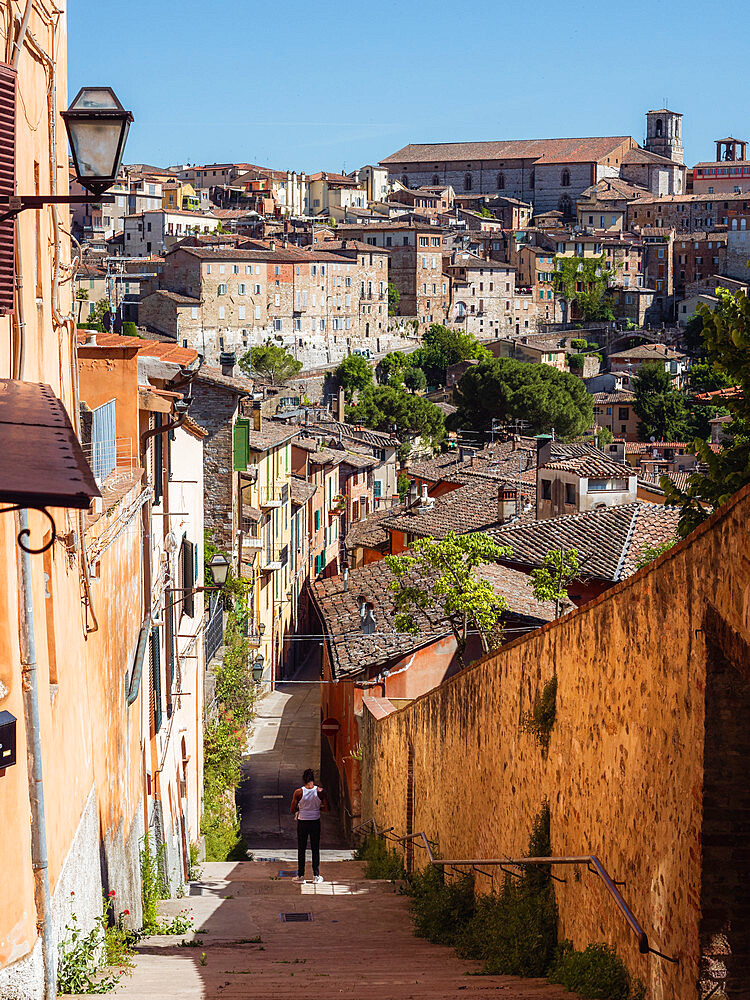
(358, 942)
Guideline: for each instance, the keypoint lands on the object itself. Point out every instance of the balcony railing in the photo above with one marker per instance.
(274, 495)
(274, 557)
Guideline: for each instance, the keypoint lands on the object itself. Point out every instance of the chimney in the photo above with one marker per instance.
(257, 417)
(89, 339)
(228, 361)
(340, 404)
(506, 503)
(285, 243)
(272, 244)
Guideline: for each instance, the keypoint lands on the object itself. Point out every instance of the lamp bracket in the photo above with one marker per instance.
(14, 204)
(26, 532)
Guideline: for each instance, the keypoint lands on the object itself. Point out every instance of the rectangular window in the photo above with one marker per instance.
(240, 312)
(546, 489)
(241, 289)
(570, 493)
(277, 325)
(222, 312)
(257, 312)
(222, 269)
(222, 289)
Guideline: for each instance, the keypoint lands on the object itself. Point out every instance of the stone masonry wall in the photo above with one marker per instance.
(215, 409)
(650, 675)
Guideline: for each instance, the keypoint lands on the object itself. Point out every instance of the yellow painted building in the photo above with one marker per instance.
(263, 457)
(179, 196)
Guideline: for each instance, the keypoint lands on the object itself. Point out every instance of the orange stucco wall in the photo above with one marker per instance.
(112, 377)
(646, 765)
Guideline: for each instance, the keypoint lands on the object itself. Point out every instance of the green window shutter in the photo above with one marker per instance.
(188, 578)
(317, 519)
(155, 657)
(241, 445)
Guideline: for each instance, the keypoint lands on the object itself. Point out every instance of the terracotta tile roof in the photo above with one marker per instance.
(582, 150)
(168, 351)
(621, 396)
(240, 383)
(288, 255)
(180, 300)
(369, 532)
(584, 460)
(641, 447)
(301, 490)
(358, 461)
(353, 432)
(607, 539)
(269, 436)
(653, 481)
(649, 352)
(637, 155)
(328, 246)
(353, 652)
(471, 507)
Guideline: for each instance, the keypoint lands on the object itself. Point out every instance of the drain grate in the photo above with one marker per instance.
(295, 918)
(288, 874)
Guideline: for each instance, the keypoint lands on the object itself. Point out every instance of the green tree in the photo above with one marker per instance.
(442, 574)
(584, 282)
(383, 407)
(82, 296)
(605, 436)
(705, 376)
(271, 362)
(415, 380)
(402, 484)
(354, 374)
(726, 337)
(392, 366)
(693, 335)
(662, 410)
(551, 581)
(442, 347)
(394, 299)
(508, 389)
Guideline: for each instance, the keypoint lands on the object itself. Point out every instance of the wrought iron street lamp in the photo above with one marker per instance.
(97, 126)
(219, 569)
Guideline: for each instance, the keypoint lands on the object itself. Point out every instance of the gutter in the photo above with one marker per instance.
(39, 863)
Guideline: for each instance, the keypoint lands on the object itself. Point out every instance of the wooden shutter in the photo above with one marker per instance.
(158, 460)
(188, 578)
(7, 184)
(241, 445)
(155, 658)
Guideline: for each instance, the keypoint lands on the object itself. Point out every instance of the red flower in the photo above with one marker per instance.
(72, 893)
(111, 892)
(126, 913)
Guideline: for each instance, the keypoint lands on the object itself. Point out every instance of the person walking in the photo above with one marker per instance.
(307, 804)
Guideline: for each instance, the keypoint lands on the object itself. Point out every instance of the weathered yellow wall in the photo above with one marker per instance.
(624, 775)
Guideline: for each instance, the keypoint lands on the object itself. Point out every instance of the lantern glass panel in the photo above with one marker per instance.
(95, 97)
(95, 146)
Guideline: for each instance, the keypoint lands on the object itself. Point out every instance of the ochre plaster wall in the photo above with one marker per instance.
(624, 774)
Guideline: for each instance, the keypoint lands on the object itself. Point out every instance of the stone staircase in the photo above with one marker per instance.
(359, 944)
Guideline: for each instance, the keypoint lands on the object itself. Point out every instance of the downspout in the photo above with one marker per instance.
(34, 764)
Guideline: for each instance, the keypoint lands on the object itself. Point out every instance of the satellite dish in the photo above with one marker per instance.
(652, 438)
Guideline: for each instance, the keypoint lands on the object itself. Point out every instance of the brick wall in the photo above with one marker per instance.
(652, 676)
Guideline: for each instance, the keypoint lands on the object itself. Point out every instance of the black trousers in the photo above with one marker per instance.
(308, 828)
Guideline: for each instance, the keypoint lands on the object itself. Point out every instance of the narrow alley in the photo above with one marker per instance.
(257, 934)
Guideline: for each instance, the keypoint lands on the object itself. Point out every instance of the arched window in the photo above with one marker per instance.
(468, 182)
(532, 179)
(659, 127)
(501, 182)
(565, 178)
(435, 180)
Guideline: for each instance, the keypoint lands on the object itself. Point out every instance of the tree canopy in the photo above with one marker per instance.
(354, 374)
(383, 407)
(551, 580)
(726, 337)
(662, 410)
(270, 361)
(394, 298)
(507, 389)
(441, 573)
(414, 379)
(392, 366)
(443, 347)
(583, 282)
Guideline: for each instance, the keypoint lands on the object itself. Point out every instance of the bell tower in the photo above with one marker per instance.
(664, 134)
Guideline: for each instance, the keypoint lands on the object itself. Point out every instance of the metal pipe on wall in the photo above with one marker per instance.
(34, 762)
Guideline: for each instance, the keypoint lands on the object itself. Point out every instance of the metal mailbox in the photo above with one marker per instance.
(7, 740)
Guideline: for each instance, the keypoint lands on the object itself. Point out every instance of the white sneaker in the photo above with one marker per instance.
(318, 879)
(298, 878)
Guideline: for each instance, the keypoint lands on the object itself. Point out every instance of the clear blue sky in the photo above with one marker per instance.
(311, 86)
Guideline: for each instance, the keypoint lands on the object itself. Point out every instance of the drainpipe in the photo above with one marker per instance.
(34, 763)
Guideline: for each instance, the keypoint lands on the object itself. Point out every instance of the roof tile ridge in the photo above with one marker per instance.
(626, 545)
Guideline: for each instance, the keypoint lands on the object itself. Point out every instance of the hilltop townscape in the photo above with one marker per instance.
(432, 476)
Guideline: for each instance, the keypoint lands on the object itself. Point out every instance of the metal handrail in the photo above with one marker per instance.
(591, 861)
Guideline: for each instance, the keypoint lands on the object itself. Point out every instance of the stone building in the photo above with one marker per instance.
(483, 295)
(416, 266)
(549, 173)
(729, 172)
(155, 231)
(699, 255)
(691, 212)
